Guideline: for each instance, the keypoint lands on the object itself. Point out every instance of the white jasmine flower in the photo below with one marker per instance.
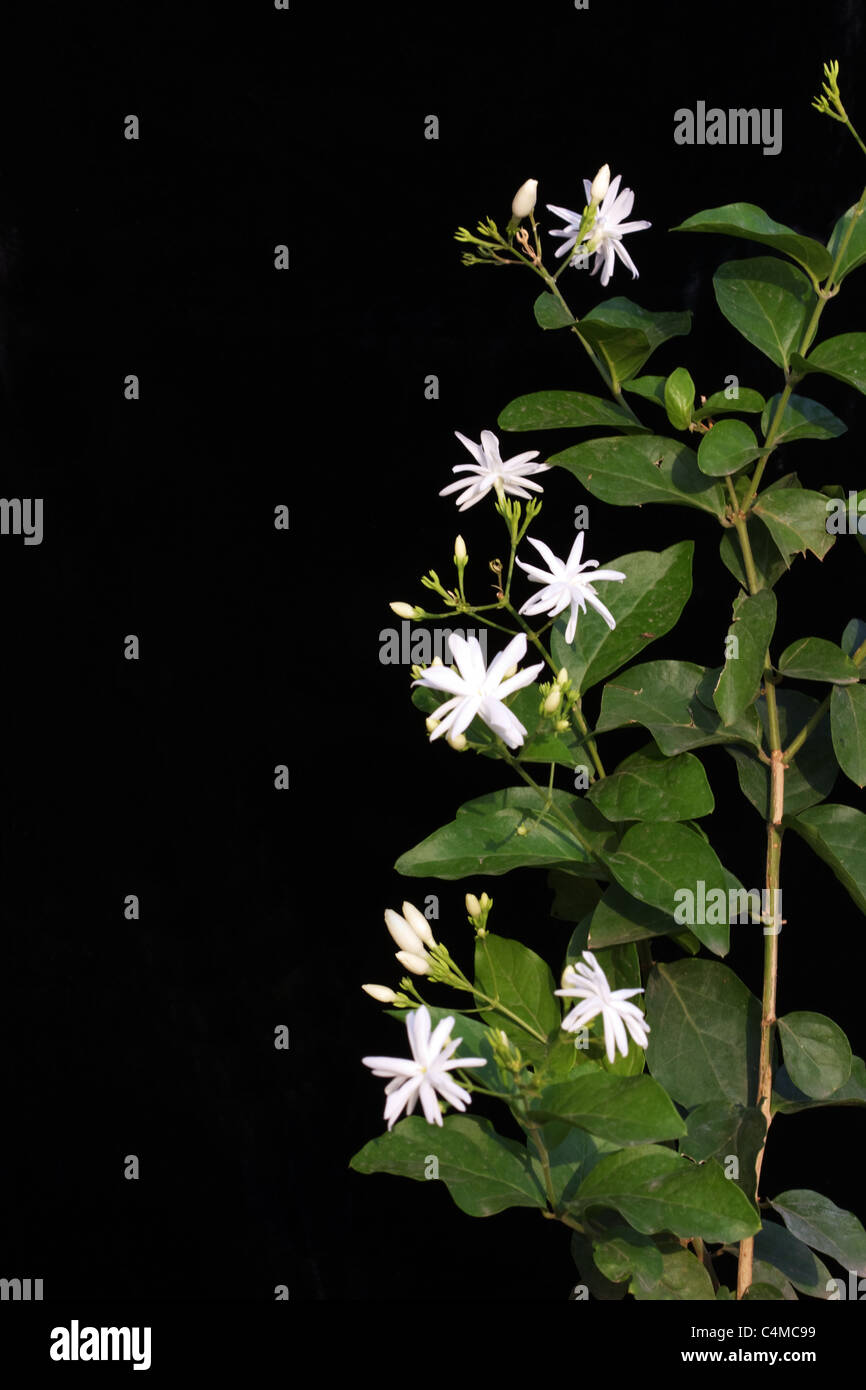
(509, 476)
(565, 584)
(425, 1074)
(524, 198)
(588, 983)
(479, 691)
(607, 231)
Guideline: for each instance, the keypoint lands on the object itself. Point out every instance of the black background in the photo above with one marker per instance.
(260, 647)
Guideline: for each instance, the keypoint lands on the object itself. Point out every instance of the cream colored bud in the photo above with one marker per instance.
(562, 678)
(416, 965)
(600, 184)
(419, 924)
(431, 723)
(459, 550)
(522, 830)
(402, 933)
(473, 906)
(512, 671)
(457, 742)
(404, 610)
(485, 901)
(524, 199)
(553, 701)
(561, 726)
(382, 993)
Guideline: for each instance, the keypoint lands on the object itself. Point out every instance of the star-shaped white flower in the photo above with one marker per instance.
(491, 472)
(426, 1074)
(607, 231)
(477, 690)
(566, 584)
(588, 983)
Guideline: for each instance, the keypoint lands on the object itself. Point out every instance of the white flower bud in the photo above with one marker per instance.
(380, 992)
(562, 678)
(600, 184)
(402, 933)
(459, 550)
(431, 723)
(524, 198)
(416, 965)
(419, 924)
(403, 610)
(553, 701)
(561, 726)
(456, 741)
(473, 906)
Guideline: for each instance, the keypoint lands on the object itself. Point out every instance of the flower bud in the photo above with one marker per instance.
(561, 726)
(562, 678)
(405, 610)
(486, 902)
(402, 933)
(553, 701)
(417, 965)
(524, 199)
(380, 992)
(457, 742)
(431, 723)
(419, 924)
(600, 184)
(512, 671)
(522, 830)
(460, 551)
(473, 906)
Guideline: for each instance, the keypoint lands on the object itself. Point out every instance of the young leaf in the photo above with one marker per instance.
(752, 223)
(705, 1033)
(767, 301)
(484, 1172)
(754, 620)
(652, 388)
(679, 398)
(727, 448)
(855, 252)
(817, 1053)
(645, 606)
(633, 469)
(745, 401)
(848, 724)
(818, 1222)
(650, 787)
(837, 834)
(550, 312)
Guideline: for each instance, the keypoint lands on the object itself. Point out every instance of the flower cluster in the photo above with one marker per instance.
(599, 229)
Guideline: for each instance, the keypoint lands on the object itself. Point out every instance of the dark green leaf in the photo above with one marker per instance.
(627, 334)
(754, 620)
(843, 358)
(624, 1253)
(723, 1130)
(803, 419)
(623, 1109)
(818, 1222)
(571, 1154)
(573, 897)
(744, 401)
(788, 1099)
(729, 446)
(817, 1053)
(519, 980)
(854, 636)
(752, 223)
(550, 312)
(645, 606)
(796, 519)
(663, 697)
(683, 1278)
(705, 1033)
(774, 1245)
(652, 388)
(556, 410)
(656, 863)
(632, 469)
(619, 919)
(855, 252)
(809, 777)
(484, 1172)
(814, 659)
(837, 834)
(770, 564)
(766, 300)
(848, 723)
(650, 787)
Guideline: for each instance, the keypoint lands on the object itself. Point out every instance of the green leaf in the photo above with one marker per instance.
(763, 1293)
(652, 388)
(745, 401)
(483, 837)
(645, 606)
(591, 1278)
(770, 564)
(855, 252)
(814, 659)
(723, 1130)
(519, 980)
(705, 1033)
(571, 1154)
(619, 919)
(679, 398)
(767, 301)
(729, 446)
(788, 1099)
(663, 697)
(774, 1245)
(625, 1253)
(550, 312)
(543, 743)
(854, 636)
(754, 620)
(683, 1278)
(623, 1109)
(656, 1189)
(796, 519)
(752, 223)
(626, 334)
(650, 787)
(802, 419)
(848, 724)
(817, 1053)
(484, 1172)
(556, 410)
(843, 358)
(633, 469)
(819, 1223)
(657, 862)
(573, 897)
(837, 834)
(809, 777)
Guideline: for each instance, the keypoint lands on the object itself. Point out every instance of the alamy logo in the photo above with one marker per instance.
(846, 519)
(738, 905)
(22, 516)
(732, 127)
(76, 1343)
(418, 646)
(21, 1290)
